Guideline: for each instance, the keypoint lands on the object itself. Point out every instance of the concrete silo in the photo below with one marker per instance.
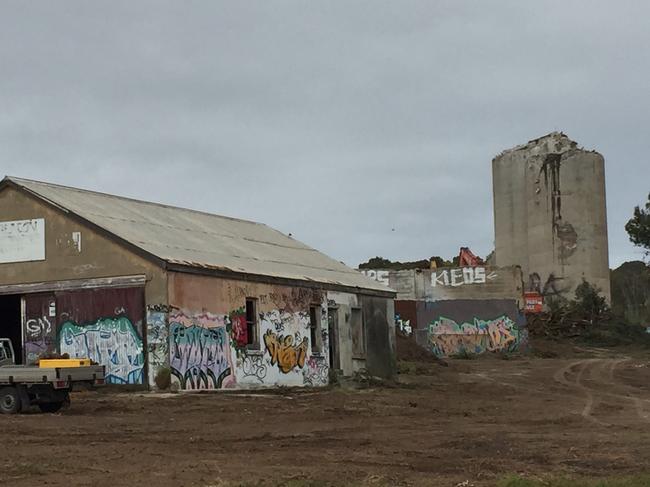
(550, 215)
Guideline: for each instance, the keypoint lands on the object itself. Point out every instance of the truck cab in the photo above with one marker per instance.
(7, 356)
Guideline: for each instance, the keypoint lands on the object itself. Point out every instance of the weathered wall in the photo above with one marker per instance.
(380, 358)
(450, 310)
(550, 215)
(99, 256)
(342, 305)
(452, 283)
(206, 314)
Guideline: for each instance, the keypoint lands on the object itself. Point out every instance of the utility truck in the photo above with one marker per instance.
(46, 385)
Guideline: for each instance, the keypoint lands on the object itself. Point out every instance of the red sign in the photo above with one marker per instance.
(533, 302)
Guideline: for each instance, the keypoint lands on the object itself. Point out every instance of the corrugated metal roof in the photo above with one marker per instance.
(201, 240)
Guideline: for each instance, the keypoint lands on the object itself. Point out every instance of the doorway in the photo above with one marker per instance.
(333, 332)
(11, 323)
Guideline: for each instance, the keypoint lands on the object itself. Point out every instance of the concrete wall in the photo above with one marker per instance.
(550, 215)
(459, 309)
(205, 314)
(447, 283)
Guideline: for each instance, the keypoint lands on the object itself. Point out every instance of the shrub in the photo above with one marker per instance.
(163, 378)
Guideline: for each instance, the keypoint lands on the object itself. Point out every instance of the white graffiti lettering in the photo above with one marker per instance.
(38, 327)
(379, 276)
(461, 277)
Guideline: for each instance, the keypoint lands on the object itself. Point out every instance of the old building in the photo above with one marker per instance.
(151, 291)
(472, 309)
(550, 215)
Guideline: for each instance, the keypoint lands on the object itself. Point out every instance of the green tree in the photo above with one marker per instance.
(638, 227)
(588, 302)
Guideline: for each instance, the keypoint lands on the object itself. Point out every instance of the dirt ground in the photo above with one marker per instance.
(476, 421)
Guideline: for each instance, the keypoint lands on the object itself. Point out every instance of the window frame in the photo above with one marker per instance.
(315, 329)
(252, 343)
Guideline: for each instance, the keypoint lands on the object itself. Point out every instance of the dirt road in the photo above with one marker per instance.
(475, 420)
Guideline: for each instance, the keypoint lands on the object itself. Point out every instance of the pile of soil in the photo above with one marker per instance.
(409, 351)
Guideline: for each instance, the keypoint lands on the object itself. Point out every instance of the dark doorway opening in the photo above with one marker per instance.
(333, 332)
(11, 326)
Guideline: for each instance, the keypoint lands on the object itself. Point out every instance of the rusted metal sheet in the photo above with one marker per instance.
(105, 325)
(106, 282)
(39, 326)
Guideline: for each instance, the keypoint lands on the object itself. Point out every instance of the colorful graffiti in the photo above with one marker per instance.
(316, 372)
(446, 337)
(112, 342)
(284, 353)
(199, 356)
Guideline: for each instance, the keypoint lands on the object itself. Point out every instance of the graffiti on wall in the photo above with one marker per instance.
(287, 351)
(316, 372)
(112, 342)
(461, 276)
(157, 339)
(292, 300)
(446, 337)
(379, 276)
(39, 338)
(553, 286)
(253, 365)
(404, 326)
(199, 351)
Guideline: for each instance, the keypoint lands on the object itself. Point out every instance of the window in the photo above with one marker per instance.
(314, 328)
(358, 329)
(252, 338)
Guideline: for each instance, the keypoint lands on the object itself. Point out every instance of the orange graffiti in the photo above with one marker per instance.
(284, 353)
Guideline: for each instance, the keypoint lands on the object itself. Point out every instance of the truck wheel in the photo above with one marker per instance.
(54, 407)
(10, 401)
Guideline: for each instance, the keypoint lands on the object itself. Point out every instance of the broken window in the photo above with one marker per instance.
(314, 328)
(252, 336)
(358, 329)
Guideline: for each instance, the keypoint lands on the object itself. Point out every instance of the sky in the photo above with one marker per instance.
(363, 128)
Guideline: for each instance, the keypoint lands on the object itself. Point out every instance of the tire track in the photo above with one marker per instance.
(601, 372)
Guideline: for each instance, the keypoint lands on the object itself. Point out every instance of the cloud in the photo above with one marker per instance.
(363, 127)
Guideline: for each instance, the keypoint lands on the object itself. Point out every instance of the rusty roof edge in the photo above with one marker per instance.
(248, 276)
(17, 181)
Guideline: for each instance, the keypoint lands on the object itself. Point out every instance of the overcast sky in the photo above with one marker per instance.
(362, 127)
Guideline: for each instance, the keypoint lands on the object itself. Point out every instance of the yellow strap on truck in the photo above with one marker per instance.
(63, 362)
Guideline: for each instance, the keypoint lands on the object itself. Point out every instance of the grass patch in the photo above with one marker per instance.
(370, 481)
(632, 481)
